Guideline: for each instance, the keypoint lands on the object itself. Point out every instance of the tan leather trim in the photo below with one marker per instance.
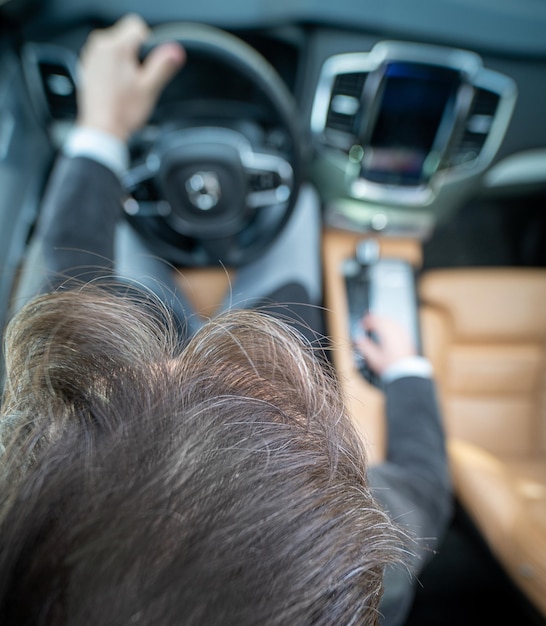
(490, 303)
(345, 242)
(500, 425)
(498, 369)
(507, 501)
(485, 331)
(205, 287)
(485, 487)
(491, 368)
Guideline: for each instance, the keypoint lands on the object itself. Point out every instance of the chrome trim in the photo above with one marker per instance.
(339, 64)
(464, 61)
(365, 217)
(362, 189)
(507, 91)
(258, 162)
(522, 168)
(473, 75)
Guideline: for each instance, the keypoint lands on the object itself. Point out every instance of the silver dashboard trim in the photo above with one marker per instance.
(473, 73)
(523, 168)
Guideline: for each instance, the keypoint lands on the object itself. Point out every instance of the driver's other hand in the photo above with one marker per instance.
(391, 343)
(117, 92)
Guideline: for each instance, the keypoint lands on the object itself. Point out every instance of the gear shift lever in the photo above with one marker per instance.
(384, 286)
(357, 283)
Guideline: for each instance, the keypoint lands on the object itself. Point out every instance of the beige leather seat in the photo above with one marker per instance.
(485, 331)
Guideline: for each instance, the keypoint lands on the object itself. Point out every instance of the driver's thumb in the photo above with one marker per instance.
(160, 66)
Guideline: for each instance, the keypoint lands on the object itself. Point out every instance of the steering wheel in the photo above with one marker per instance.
(218, 194)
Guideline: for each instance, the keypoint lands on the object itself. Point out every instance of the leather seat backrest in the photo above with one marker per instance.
(485, 332)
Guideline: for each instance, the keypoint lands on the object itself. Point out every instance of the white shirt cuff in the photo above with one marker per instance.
(408, 366)
(98, 145)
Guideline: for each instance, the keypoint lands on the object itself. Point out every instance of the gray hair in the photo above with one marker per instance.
(220, 482)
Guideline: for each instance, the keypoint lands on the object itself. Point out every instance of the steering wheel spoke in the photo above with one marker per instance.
(146, 208)
(141, 174)
(270, 179)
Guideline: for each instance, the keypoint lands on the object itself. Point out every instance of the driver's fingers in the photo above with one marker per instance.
(160, 65)
(131, 29)
(376, 324)
(372, 353)
(120, 41)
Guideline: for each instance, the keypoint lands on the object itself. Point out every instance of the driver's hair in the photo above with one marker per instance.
(143, 483)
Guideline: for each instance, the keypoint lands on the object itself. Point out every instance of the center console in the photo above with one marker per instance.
(362, 273)
(382, 286)
(402, 132)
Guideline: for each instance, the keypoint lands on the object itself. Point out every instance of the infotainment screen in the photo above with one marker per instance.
(414, 117)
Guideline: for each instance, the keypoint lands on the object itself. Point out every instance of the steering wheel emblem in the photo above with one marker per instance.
(203, 189)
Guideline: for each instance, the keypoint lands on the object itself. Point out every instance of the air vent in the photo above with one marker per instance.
(344, 108)
(59, 90)
(477, 127)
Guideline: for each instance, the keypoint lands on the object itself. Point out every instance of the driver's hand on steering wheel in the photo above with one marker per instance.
(117, 92)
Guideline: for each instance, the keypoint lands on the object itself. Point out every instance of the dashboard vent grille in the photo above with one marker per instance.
(59, 90)
(477, 127)
(344, 107)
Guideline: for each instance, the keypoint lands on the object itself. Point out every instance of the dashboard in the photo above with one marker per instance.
(400, 130)
(407, 114)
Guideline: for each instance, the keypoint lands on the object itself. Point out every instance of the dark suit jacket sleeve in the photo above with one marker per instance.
(77, 223)
(413, 484)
